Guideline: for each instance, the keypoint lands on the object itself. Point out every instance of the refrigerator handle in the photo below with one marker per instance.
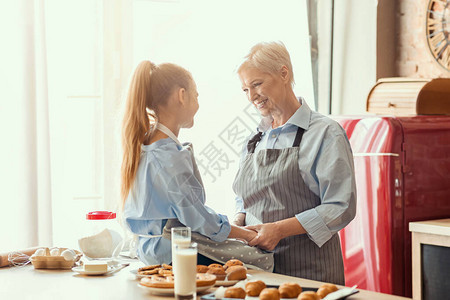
(405, 167)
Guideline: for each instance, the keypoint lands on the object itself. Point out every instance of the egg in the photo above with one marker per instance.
(54, 252)
(39, 252)
(68, 254)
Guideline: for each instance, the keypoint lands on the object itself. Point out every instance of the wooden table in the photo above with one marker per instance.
(433, 232)
(28, 283)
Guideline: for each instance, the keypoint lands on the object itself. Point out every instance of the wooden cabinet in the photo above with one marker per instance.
(431, 259)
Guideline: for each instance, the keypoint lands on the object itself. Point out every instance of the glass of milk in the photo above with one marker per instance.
(185, 271)
(180, 236)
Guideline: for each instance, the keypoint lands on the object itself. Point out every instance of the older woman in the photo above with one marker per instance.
(295, 185)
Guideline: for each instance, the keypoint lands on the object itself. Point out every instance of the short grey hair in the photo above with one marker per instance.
(268, 57)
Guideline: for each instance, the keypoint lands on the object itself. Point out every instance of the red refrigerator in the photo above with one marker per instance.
(402, 168)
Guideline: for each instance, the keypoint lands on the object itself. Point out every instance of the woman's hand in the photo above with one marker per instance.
(268, 236)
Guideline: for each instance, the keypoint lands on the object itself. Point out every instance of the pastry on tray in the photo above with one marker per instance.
(309, 295)
(235, 292)
(326, 289)
(253, 288)
(269, 294)
(289, 290)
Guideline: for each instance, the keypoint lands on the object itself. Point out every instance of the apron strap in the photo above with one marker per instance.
(169, 133)
(298, 137)
(251, 145)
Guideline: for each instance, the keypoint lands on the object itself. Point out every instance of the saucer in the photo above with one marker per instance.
(82, 271)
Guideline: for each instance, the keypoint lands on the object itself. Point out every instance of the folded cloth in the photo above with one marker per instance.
(252, 257)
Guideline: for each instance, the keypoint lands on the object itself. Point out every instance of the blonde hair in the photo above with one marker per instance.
(268, 57)
(149, 89)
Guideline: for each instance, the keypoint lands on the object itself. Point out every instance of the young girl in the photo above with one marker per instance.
(160, 179)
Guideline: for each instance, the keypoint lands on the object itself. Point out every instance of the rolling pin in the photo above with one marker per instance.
(4, 256)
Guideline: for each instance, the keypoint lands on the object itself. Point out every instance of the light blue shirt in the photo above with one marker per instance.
(165, 188)
(326, 166)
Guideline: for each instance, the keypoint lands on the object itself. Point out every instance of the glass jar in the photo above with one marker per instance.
(102, 238)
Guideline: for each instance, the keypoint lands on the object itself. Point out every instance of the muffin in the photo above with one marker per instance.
(218, 272)
(233, 262)
(202, 269)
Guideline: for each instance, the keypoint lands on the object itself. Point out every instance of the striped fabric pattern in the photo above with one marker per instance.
(272, 189)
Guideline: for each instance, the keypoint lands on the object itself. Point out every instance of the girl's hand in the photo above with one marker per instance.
(239, 219)
(241, 233)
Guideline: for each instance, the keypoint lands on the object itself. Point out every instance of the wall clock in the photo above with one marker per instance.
(438, 31)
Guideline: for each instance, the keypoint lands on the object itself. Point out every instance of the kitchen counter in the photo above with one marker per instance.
(28, 283)
(430, 249)
(437, 227)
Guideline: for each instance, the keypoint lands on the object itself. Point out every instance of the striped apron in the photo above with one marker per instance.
(273, 189)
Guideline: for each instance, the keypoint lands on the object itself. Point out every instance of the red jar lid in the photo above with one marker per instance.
(100, 215)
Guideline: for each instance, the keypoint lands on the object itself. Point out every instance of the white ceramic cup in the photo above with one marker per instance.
(185, 271)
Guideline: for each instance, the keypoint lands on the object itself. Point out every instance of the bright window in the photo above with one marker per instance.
(74, 45)
(209, 38)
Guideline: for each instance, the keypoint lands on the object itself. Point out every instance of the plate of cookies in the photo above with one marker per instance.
(228, 274)
(164, 284)
(148, 271)
(257, 289)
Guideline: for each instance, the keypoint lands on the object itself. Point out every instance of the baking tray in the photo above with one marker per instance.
(211, 296)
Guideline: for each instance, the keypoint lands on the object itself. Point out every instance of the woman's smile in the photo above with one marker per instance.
(260, 104)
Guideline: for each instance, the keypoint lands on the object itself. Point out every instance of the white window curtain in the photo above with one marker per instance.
(25, 152)
(60, 61)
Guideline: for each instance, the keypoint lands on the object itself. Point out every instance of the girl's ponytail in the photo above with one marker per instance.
(136, 124)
